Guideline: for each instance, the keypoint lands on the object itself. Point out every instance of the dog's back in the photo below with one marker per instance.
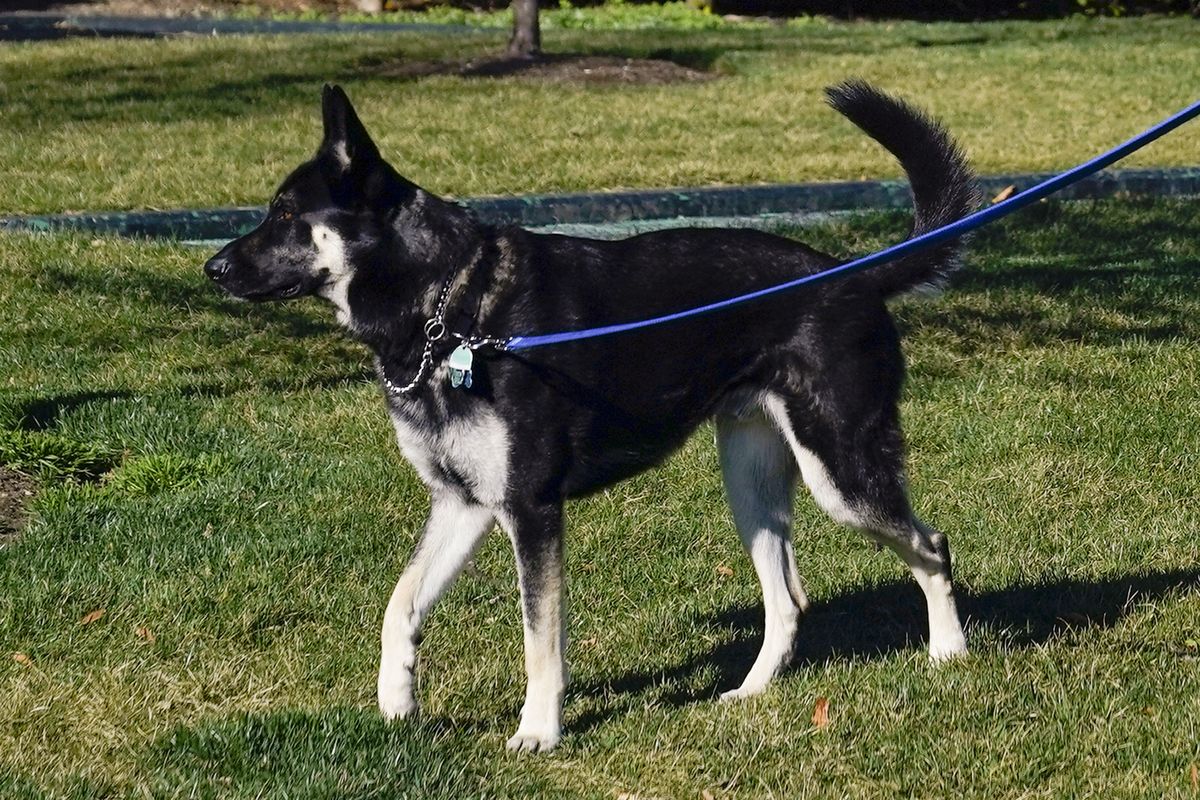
(628, 400)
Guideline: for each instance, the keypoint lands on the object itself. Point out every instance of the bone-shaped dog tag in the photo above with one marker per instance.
(460, 366)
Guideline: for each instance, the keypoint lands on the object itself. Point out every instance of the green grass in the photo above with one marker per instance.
(215, 121)
(221, 479)
(252, 513)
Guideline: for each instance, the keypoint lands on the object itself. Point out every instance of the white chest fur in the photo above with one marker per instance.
(474, 448)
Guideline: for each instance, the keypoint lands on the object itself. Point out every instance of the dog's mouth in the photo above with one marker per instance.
(285, 292)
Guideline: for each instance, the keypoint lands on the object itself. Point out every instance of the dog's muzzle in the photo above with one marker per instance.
(217, 267)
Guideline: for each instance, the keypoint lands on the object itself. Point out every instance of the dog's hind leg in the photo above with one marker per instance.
(452, 533)
(854, 469)
(927, 553)
(537, 540)
(760, 477)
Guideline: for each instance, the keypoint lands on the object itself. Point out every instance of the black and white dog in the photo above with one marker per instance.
(801, 383)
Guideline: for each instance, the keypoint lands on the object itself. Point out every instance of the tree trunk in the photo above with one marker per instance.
(526, 39)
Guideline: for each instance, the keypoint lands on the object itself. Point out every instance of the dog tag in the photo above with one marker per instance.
(460, 366)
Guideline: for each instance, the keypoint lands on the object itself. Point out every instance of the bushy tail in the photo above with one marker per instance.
(943, 186)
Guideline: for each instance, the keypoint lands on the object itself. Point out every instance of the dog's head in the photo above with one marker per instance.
(341, 201)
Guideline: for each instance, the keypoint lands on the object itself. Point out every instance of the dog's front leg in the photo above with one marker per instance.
(451, 535)
(537, 542)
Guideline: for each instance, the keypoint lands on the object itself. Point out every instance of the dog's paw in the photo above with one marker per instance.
(947, 652)
(741, 693)
(522, 742)
(397, 705)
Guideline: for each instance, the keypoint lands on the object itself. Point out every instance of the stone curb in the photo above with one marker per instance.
(612, 207)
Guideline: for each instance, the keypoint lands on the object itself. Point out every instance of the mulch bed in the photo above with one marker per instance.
(556, 68)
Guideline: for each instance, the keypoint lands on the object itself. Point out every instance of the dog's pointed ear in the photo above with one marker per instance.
(346, 140)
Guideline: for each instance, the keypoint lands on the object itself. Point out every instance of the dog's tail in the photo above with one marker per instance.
(943, 185)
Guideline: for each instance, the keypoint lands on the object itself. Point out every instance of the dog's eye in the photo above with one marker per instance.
(286, 215)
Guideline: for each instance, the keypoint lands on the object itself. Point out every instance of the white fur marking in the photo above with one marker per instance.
(813, 470)
(546, 673)
(759, 476)
(545, 659)
(331, 258)
(946, 638)
(475, 447)
(341, 153)
(451, 536)
(817, 478)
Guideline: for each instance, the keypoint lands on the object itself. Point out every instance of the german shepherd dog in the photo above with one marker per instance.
(803, 383)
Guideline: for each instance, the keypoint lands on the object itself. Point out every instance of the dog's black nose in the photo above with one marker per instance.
(216, 267)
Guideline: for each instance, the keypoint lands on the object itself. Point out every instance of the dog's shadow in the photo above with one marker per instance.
(874, 622)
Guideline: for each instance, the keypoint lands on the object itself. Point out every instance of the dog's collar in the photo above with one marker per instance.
(436, 329)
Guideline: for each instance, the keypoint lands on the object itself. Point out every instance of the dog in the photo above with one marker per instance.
(803, 383)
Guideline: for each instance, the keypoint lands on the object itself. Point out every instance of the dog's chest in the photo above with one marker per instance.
(468, 451)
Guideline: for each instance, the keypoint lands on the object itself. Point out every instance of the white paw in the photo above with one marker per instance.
(741, 693)
(941, 652)
(397, 703)
(532, 742)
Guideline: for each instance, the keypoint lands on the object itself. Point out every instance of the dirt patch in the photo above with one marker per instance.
(16, 491)
(553, 68)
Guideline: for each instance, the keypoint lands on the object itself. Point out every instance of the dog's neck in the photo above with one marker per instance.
(427, 243)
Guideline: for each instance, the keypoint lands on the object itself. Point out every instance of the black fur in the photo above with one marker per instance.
(580, 416)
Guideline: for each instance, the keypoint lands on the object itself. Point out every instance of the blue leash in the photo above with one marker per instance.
(951, 231)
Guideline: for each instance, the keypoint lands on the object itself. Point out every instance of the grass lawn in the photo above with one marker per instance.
(95, 124)
(220, 479)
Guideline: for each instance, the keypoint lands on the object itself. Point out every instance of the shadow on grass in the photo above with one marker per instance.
(881, 620)
(41, 413)
(334, 753)
(182, 87)
(177, 89)
(1100, 306)
(1104, 272)
(188, 297)
(305, 349)
(225, 99)
(345, 751)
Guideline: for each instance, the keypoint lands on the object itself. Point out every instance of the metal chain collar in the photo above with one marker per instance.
(435, 330)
